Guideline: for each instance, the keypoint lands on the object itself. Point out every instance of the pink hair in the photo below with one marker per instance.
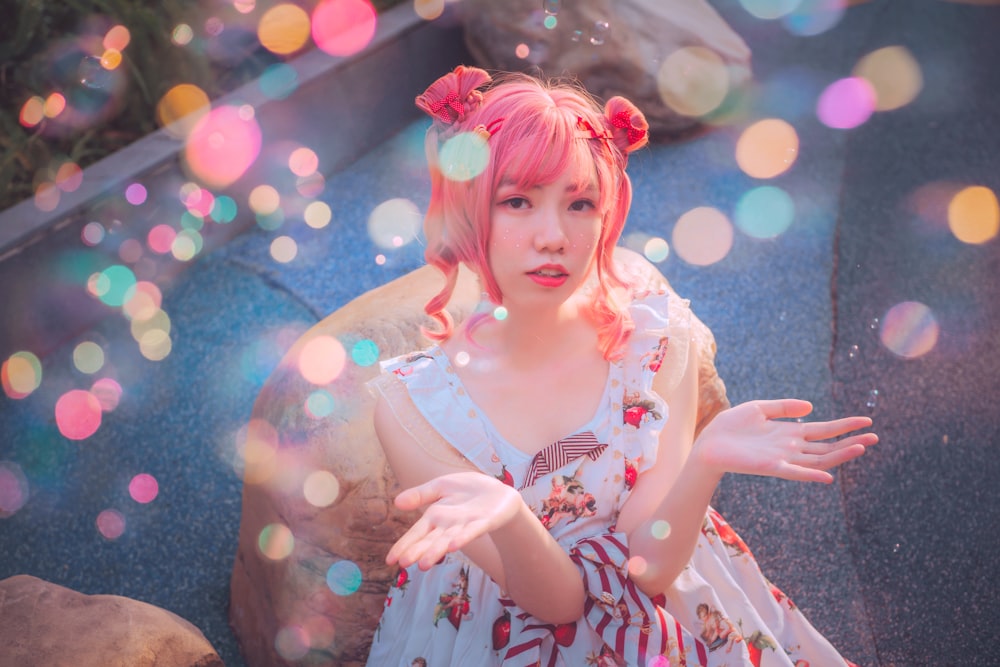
(538, 132)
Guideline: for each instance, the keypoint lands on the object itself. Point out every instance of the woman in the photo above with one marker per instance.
(550, 439)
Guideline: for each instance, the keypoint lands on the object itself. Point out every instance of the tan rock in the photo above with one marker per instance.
(651, 51)
(283, 608)
(43, 624)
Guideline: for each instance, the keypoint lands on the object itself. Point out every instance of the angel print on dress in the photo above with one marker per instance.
(653, 359)
(567, 498)
(454, 604)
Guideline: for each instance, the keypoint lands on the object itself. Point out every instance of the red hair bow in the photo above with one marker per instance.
(443, 107)
(623, 120)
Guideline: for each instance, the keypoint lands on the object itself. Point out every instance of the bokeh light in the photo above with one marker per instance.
(264, 200)
(364, 352)
(108, 393)
(693, 81)
(14, 490)
(182, 34)
(142, 301)
(32, 112)
(110, 524)
(20, 374)
(135, 194)
(894, 75)
(320, 404)
(276, 541)
(160, 238)
(111, 284)
(92, 233)
(303, 161)
(155, 345)
(143, 488)
(343, 27)
(88, 357)
(318, 214)
(78, 414)
(974, 215)
(656, 249)
(278, 81)
(764, 212)
(428, 10)
(769, 9)
(258, 449)
(186, 245)
(292, 643)
(117, 38)
(522, 51)
(181, 108)
(394, 223)
(813, 17)
(660, 529)
(909, 329)
(321, 360)
(283, 29)
(321, 488)
(702, 236)
(284, 249)
(223, 144)
(69, 177)
(46, 196)
(846, 103)
(54, 105)
(767, 148)
(343, 577)
(464, 156)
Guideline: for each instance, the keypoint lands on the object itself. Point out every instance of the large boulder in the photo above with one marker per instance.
(43, 624)
(677, 60)
(310, 579)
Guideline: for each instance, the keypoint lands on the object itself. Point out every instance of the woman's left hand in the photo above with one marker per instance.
(755, 438)
(460, 506)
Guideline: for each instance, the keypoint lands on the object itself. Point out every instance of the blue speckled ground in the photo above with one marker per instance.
(894, 562)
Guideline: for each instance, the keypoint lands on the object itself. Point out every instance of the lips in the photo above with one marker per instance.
(549, 275)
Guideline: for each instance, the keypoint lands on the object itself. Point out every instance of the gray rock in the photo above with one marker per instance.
(45, 624)
(619, 47)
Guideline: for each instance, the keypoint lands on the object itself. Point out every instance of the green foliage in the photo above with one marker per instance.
(53, 47)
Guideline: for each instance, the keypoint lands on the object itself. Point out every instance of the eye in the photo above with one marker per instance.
(583, 205)
(515, 203)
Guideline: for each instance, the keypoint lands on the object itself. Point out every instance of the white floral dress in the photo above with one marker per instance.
(720, 611)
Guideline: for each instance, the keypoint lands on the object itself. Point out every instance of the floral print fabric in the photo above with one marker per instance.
(721, 611)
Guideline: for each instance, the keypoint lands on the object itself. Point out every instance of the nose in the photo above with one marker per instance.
(550, 236)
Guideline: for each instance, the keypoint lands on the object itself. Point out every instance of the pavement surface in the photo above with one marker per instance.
(867, 303)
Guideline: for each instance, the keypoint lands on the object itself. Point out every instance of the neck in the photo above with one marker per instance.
(529, 336)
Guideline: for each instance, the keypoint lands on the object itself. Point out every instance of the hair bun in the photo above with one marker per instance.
(629, 129)
(449, 99)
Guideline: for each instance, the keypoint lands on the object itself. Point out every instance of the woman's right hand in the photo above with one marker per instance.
(755, 438)
(460, 507)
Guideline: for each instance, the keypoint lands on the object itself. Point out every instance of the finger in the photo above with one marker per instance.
(784, 408)
(837, 454)
(798, 473)
(834, 428)
(418, 496)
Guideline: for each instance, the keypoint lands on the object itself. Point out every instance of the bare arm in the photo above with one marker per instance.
(468, 510)
(751, 438)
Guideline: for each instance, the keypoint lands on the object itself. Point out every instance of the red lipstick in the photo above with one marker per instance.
(549, 275)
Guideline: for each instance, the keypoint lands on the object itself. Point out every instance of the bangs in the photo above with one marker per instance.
(548, 147)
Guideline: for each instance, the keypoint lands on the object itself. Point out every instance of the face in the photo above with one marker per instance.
(543, 239)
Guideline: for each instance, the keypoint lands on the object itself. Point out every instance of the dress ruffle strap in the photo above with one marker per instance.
(634, 625)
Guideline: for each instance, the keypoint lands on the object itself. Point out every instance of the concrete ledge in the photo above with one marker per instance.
(340, 108)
